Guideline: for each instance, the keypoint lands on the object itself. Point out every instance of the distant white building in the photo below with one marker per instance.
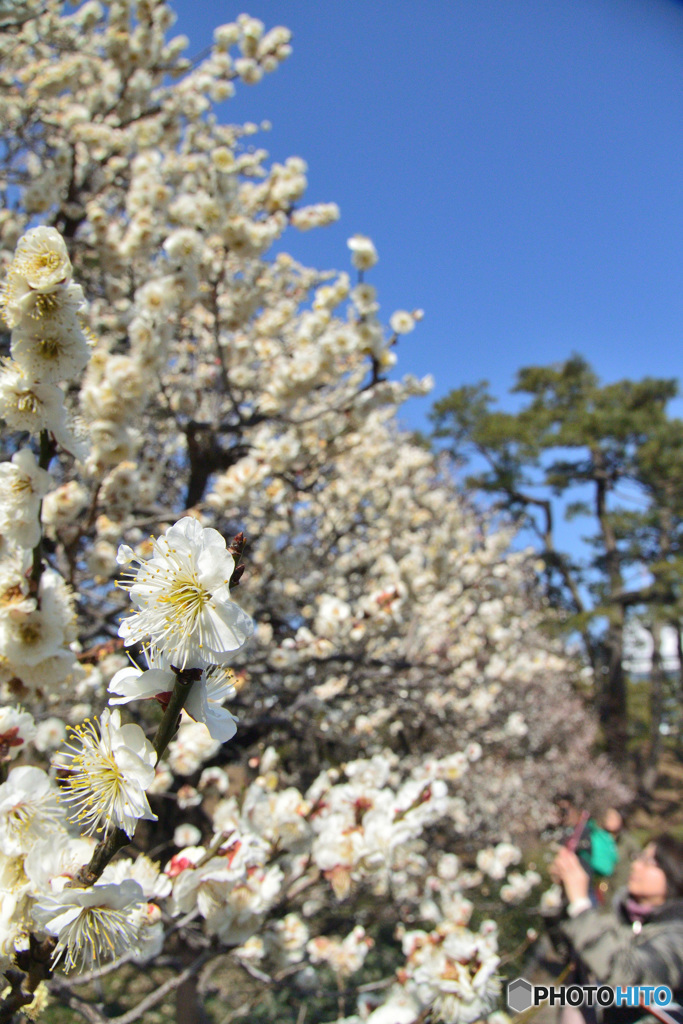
(638, 649)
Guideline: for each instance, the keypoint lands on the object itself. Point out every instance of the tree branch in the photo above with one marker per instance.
(169, 986)
(60, 988)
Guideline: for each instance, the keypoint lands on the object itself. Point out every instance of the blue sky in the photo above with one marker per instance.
(517, 163)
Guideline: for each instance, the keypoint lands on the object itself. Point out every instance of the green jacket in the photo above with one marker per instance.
(603, 850)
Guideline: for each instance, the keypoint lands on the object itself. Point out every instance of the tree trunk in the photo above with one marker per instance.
(613, 702)
(613, 705)
(657, 686)
(189, 1004)
(679, 717)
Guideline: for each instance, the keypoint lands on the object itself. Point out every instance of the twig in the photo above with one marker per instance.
(533, 1010)
(60, 988)
(160, 993)
(169, 723)
(241, 1011)
(187, 919)
(113, 965)
(220, 840)
(521, 948)
(374, 986)
(254, 971)
(47, 450)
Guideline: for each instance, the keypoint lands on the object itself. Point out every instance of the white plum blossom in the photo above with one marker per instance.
(108, 768)
(90, 925)
(22, 486)
(17, 727)
(182, 596)
(27, 404)
(50, 352)
(343, 956)
(364, 254)
(42, 260)
(155, 884)
(49, 734)
(53, 862)
(203, 703)
(402, 322)
(28, 810)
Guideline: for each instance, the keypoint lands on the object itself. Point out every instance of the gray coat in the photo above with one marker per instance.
(618, 952)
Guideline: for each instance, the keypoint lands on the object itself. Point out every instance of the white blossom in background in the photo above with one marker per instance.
(191, 747)
(453, 970)
(518, 886)
(363, 252)
(186, 835)
(343, 956)
(402, 322)
(496, 860)
(49, 734)
(288, 939)
(29, 810)
(17, 728)
(23, 484)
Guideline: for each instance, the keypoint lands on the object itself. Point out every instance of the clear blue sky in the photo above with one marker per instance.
(517, 163)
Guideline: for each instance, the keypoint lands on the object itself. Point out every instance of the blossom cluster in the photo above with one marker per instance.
(43, 307)
(355, 828)
(106, 767)
(39, 858)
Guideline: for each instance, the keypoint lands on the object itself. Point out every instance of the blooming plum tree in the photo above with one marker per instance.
(386, 659)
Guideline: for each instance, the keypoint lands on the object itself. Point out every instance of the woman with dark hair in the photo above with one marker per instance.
(668, 853)
(641, 941)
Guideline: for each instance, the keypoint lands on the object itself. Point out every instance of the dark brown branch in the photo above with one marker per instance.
(169, 986)
(60, 988)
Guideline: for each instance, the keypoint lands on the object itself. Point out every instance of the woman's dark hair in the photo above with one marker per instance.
(669, 857)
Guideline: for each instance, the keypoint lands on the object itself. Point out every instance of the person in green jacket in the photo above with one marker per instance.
(594, 846)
